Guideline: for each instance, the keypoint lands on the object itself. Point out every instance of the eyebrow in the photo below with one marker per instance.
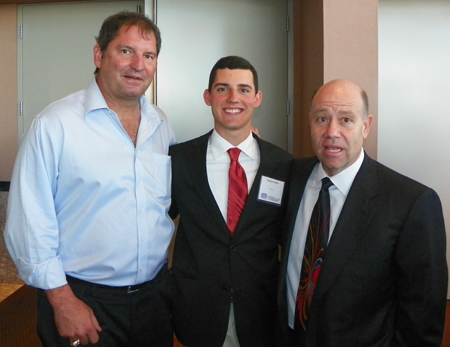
(242, 85)
(346, 113)
(341, 112)
(125, 46)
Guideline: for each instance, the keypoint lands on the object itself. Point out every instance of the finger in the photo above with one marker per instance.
(85, 340)
(92, 337)
(92, 334)
(96, 323)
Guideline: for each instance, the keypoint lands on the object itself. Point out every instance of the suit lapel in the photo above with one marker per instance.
(266, 166)
(196, 156)
(355, 216)
(268, 162)
(301, 171)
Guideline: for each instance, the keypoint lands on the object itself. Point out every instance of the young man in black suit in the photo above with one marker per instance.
(226, 274)
(382, 278)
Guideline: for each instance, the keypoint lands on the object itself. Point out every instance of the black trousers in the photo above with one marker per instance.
(135, 317)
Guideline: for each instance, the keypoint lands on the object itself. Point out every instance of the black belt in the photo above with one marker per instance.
(121, 289)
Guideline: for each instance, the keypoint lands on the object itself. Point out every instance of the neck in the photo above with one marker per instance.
(127, 105)
(233, 136)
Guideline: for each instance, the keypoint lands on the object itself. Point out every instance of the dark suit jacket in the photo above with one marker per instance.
(384, 278)
(212, 269)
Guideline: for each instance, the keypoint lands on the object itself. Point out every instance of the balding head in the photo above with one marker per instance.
(339, 124)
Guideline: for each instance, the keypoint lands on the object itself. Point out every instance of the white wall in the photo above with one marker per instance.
(414, 92)
(195, 34)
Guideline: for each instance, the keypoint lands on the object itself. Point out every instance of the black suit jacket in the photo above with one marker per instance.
(211, 269)
(384, 278)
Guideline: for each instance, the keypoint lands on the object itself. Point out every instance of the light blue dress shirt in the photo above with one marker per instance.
(84, 201)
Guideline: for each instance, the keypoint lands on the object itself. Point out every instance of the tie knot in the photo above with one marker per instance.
(326, 183)
(234, 153)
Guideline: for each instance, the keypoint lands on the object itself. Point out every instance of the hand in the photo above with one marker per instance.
(74, 319)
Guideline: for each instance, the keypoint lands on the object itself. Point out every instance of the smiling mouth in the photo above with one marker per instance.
(134, 78)
(232, 110)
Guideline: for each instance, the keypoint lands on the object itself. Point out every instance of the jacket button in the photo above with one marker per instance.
(233, 247)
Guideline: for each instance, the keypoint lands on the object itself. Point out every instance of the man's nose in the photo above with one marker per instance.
(232, 95)
(332, 129)
(137, 63)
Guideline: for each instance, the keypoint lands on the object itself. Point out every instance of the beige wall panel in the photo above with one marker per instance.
(333, 39)
(351, 51)
(8, 90)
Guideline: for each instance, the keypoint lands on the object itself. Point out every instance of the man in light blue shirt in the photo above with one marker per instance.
(87, 219)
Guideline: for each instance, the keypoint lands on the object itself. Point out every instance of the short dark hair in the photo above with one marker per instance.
(365, 100)
(113, 23)
(232, 62)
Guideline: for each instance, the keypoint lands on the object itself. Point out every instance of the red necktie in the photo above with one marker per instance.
(237, 190)
(316, 243)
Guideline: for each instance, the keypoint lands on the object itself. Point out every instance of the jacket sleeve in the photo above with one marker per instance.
(422, 274)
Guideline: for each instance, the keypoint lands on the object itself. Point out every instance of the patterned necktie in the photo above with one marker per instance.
(316, 243)
(237, 190)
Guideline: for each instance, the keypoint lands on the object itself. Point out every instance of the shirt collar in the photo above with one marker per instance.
(344, 179)
(219, 146)
(94, 100)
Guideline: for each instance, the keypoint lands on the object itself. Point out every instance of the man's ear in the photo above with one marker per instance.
(258, 99)
(207, 97)
(97, 56)
(367, 125)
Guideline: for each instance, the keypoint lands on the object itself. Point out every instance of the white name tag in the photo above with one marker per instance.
(270, 190)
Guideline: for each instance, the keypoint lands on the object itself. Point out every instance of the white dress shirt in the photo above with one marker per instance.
(342, 183)
(218, 165)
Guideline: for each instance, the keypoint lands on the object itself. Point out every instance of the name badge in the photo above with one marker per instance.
(270, 190)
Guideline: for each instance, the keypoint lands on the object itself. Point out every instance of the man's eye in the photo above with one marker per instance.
(347, 120)
(245, 91)
(125, 51)
(150, 56)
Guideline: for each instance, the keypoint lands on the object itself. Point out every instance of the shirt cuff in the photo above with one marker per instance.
(47, 275)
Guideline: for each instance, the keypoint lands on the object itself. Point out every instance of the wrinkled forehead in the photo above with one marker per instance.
(336, 106)
(337, 100)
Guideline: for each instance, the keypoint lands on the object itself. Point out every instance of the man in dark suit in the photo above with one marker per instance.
(382, 278)
(226, 276)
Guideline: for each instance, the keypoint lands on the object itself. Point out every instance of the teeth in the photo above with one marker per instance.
(334, 150)
(233, 111)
